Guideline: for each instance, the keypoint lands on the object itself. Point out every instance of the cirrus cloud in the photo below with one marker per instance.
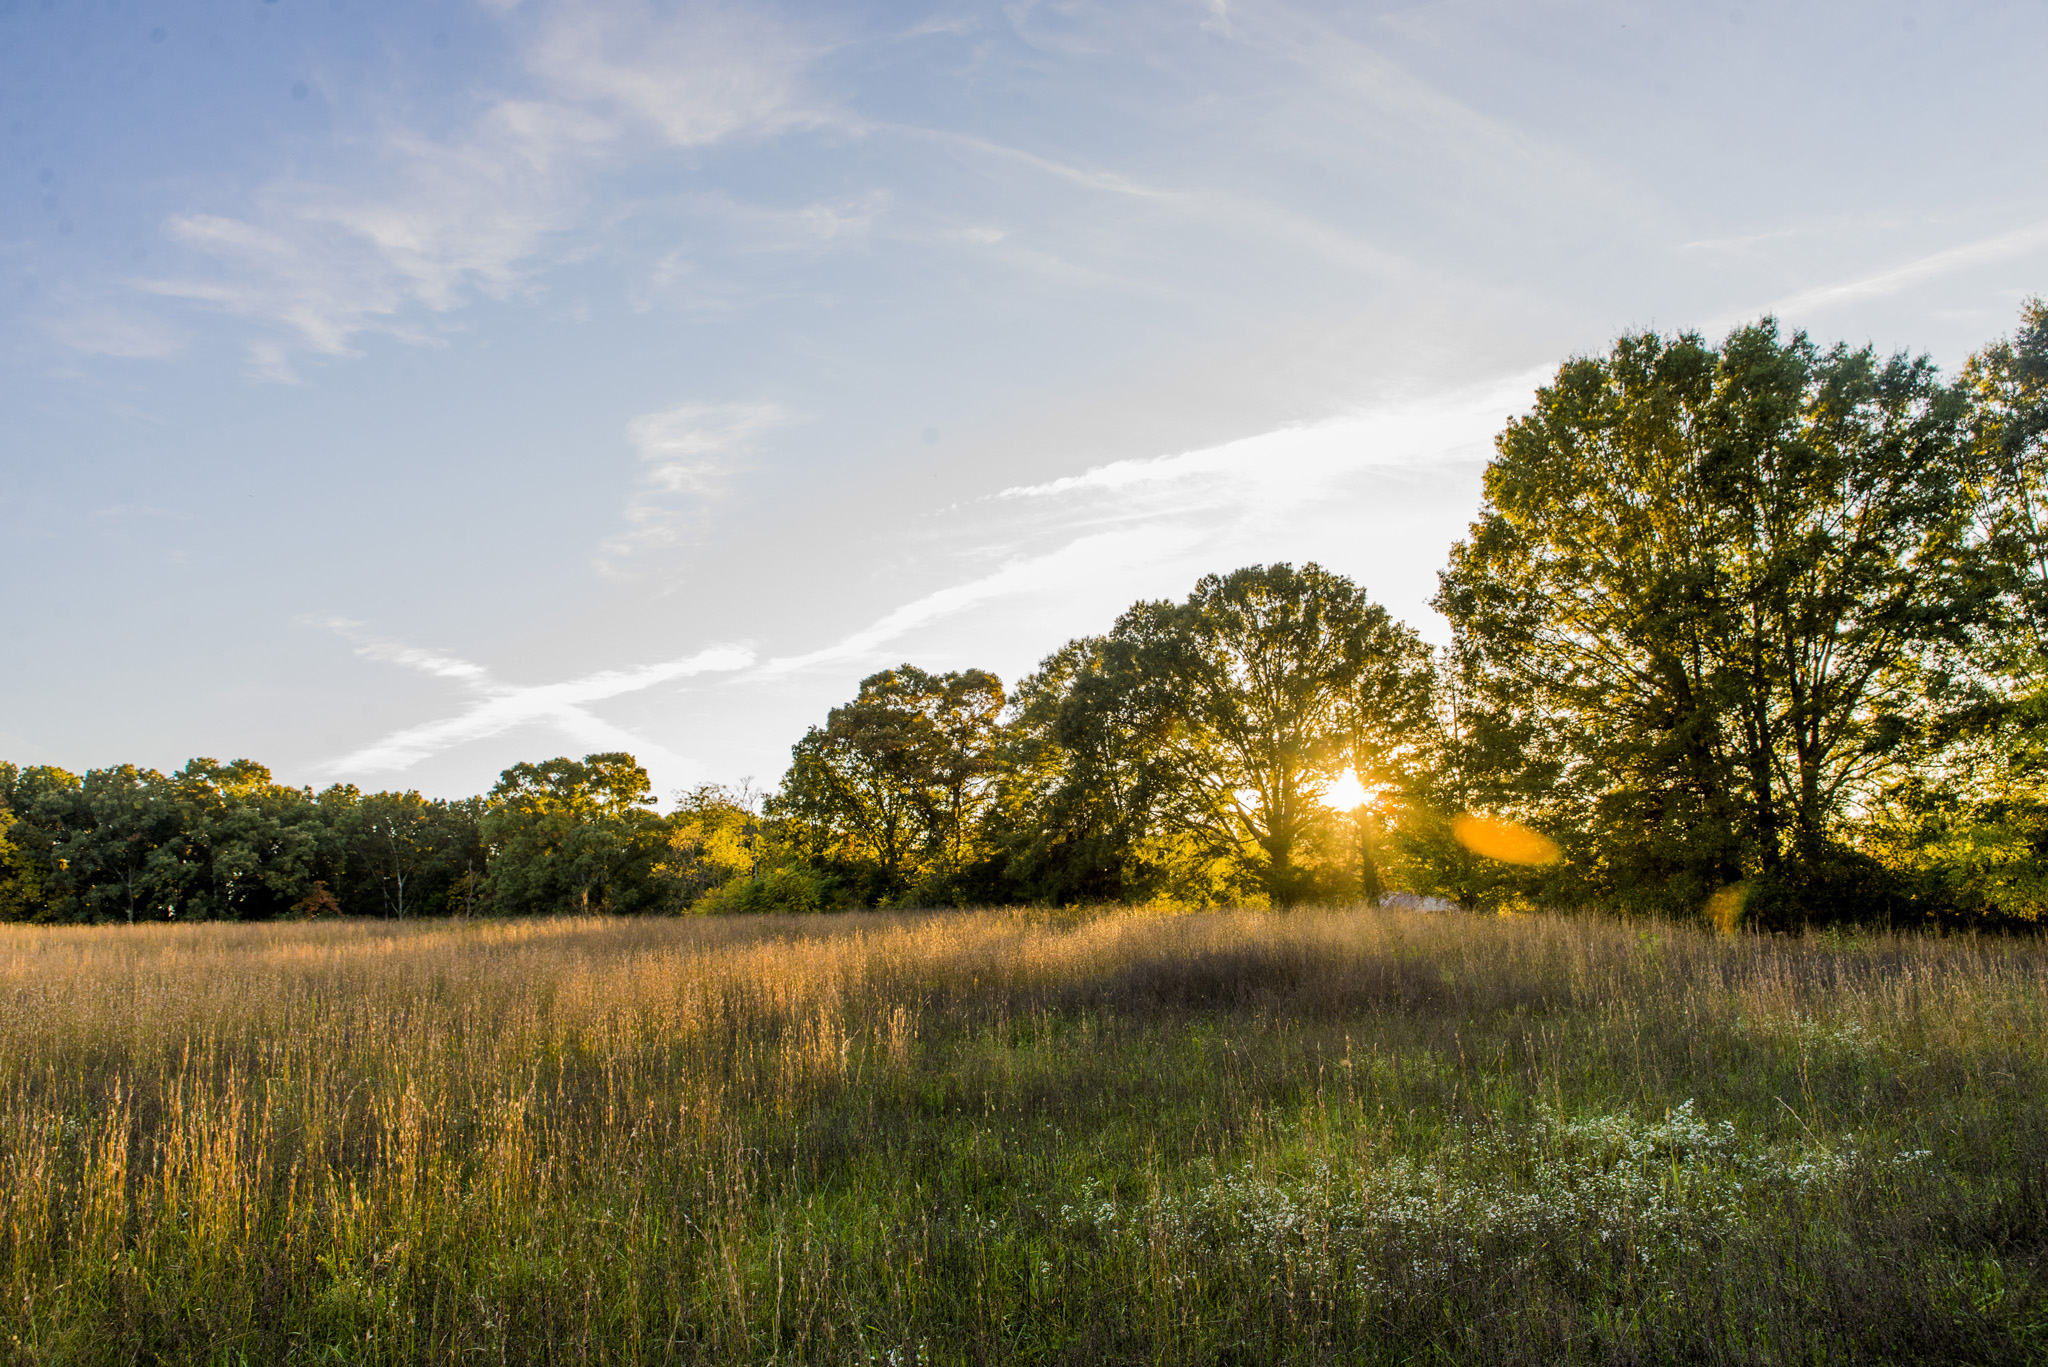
(496, 707)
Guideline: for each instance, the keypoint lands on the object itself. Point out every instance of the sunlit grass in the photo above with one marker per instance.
(1008, 1136)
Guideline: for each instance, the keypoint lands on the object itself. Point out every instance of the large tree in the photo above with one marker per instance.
(1075, 811)
(1256, 691)
(119, 842)
(1705, 600)
(1972, 821)
(251, 847)
(2007, 384)
(894, 784)
(573, 836)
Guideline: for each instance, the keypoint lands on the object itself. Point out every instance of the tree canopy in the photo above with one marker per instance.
(1708, 599)
(1755, 628)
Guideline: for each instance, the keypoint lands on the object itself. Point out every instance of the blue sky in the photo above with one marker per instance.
(393, 392)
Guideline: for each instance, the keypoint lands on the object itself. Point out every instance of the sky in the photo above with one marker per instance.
(394, 392)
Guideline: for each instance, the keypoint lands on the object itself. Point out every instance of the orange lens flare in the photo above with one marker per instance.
(1507, 841)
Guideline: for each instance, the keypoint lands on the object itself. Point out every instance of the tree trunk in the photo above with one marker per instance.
(1370, 887)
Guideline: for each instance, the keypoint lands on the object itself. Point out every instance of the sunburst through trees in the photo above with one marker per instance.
(1750, 630)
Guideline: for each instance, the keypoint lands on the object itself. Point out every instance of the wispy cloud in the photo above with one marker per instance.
(686, 453)
(697, 74)
(1300, 463)
(498, 707)
(1127, 521)
(318, 265)
(426, 224)
(1086, 559)
(1381, 101)
(1246, 215)
(2006, 246)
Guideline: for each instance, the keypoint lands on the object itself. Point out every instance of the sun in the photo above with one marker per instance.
(1346, 793)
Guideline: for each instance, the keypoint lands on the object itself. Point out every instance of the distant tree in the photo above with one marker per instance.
(569, 836)
(397, 855)
(118, 842)
(1395, 713)
(209, 841)
(28, 870)
(894, 784)
(251, 848)
(713, 837)
(1188, 754)
(406, 853)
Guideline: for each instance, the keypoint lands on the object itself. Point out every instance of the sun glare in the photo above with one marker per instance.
(1346, 793)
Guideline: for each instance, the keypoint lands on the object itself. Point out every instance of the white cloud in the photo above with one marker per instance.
(433, 662)
(1299, 464)
(1165, 520)
(499, 707)
(697, 74)
(449, 220)
(1374, 493)
(685, 454)
(2006, 246)
(1087, 560)
(425, 224)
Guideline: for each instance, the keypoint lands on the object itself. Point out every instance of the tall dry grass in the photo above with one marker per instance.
(1019, 1136)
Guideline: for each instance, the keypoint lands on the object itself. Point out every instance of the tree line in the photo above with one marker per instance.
(216, 841)
(1756, 630)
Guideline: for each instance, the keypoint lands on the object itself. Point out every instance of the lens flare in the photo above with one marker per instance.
(1508, 841)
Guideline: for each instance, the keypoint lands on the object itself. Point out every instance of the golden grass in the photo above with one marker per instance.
(1020, 1136)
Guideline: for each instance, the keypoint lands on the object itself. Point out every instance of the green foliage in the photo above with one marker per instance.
(713, 837)
(574, 837)
(790, 887)
(1186, 754)
(2008, 385)
(251, 848)
(1073, 816)
(27, 864)
(405, 855)
(1704, 613)
(121, 845)
(890, 791)
(1757, 626)
(220, 841)
(1969, 827)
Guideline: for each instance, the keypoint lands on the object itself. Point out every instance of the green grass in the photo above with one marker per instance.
(968, 1137)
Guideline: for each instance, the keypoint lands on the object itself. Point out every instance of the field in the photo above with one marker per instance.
(1002, 1136)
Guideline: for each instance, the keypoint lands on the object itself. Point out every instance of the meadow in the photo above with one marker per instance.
(1230, 1137)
